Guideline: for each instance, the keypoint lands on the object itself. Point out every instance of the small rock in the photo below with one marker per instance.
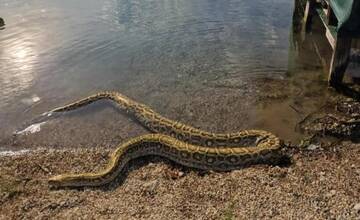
(322, 176)
(2, 22)
(173, 174)
(357, 207)
(151, 186)
(180, 174)
(331, 193)
(312, 147)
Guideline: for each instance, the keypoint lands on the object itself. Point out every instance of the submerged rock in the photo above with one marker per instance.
(2, 22)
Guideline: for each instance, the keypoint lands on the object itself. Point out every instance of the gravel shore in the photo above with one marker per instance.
(319, 183)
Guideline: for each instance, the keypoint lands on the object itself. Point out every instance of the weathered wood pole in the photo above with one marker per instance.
(340, 59)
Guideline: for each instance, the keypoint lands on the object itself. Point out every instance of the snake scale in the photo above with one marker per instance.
(176, 141)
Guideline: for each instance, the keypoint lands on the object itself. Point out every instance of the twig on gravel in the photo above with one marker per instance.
(46, 170)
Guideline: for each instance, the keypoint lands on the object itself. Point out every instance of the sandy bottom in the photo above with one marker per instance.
(320, 183)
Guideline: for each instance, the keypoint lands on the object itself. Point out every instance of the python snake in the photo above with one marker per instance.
(176, 141)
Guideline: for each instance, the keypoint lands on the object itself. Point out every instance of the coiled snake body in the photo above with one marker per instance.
(181, 143)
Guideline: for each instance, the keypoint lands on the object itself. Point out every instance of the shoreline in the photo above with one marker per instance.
(321, 182)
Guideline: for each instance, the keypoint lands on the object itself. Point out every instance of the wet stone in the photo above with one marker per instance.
(312, 147)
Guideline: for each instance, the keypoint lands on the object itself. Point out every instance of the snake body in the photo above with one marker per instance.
(181, 143)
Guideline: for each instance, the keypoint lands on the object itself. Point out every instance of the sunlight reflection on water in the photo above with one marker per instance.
(19, 58)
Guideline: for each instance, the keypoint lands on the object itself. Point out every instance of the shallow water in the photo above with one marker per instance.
(217, 65)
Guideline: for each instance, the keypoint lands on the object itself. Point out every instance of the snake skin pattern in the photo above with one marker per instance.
(176, 141)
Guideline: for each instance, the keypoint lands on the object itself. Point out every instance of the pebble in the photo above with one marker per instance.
(357, 207)
(180, 174)
(151, 186)
(312, 147)
(331, 193)
(322, 176)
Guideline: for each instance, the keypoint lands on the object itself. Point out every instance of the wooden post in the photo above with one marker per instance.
(331, 18)
(308, 14)
(340, 59)
(298, 16)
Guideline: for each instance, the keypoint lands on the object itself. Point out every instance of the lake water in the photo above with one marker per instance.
(218, 65)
